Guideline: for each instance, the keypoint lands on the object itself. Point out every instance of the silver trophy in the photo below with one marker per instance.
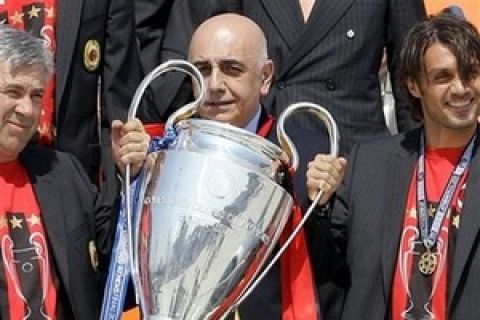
(210, 210)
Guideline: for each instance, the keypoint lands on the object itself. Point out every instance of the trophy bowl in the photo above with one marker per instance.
(211, 213)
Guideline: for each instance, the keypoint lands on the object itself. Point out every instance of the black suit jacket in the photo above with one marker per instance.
(334, 59)
(367, 222)
(73, 215)
(111, 23)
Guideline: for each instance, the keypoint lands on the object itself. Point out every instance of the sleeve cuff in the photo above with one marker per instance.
(324, 211)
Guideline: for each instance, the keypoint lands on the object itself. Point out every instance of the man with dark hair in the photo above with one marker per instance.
(405, 220)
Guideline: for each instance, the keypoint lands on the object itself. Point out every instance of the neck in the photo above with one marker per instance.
(450, 139)
(5, 158)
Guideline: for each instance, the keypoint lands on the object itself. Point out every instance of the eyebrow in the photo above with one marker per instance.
(221, 61)
(11, 85)
(231, 61)
(438, 70)
(17, 86)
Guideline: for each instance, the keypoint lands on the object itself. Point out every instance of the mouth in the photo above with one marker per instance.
(18, 126)
(460, 106)
(218, 104)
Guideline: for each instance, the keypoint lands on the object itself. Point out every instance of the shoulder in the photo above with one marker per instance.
(41, 156)
(44, 161)
(403, 143)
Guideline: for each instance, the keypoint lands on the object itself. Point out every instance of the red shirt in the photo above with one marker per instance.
(414, 295)
(27, 278)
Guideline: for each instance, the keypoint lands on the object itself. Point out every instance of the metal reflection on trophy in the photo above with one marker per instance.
(210, 212)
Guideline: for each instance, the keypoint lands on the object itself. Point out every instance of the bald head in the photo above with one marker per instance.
(230, 51)
(235, 29)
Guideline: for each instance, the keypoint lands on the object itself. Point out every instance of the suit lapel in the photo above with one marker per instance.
(469, 224)
(286, 16)
(402, 162)
(51, 209)
(323, 17)
(68, 24)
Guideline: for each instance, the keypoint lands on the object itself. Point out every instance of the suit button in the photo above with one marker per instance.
(350, 34)
(281, 85)
(331, 85)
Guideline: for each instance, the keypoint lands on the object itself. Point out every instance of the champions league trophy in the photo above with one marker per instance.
(209, 210)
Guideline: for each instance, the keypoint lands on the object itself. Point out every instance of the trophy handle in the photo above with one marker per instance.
(287, 145)
(185, 112)
(322, 114)
(171, 65)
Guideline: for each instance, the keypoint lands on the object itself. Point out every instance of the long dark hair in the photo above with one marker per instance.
(453, 32)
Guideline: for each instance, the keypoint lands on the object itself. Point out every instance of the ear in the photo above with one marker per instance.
(267, 76)
(414, 88)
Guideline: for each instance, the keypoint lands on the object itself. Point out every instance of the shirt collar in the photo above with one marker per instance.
(252, 126)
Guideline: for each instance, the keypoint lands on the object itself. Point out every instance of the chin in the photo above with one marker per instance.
(219, 118)
(464, 124)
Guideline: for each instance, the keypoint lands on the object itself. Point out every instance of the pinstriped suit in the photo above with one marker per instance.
(334, 59)
(371, 210)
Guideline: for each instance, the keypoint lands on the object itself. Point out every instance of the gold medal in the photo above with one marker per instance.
(427, 263)
(91, 55)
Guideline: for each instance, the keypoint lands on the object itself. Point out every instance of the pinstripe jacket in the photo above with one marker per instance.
(334, 59)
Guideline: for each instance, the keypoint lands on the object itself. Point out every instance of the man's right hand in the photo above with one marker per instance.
(325, 172)
(129, 145)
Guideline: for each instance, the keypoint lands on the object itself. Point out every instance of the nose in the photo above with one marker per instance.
(216, 80)
(459, 86)
(25, 106)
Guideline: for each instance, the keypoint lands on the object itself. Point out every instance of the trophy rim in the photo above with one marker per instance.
(242, 136)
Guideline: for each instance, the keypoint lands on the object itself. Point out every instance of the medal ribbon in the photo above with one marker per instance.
(119, 269)
(429, 238)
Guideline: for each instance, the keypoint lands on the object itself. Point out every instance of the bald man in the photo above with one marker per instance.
(230, 51)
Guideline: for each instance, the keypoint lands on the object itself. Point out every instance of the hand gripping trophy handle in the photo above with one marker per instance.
(182, 113)
(289, 148)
